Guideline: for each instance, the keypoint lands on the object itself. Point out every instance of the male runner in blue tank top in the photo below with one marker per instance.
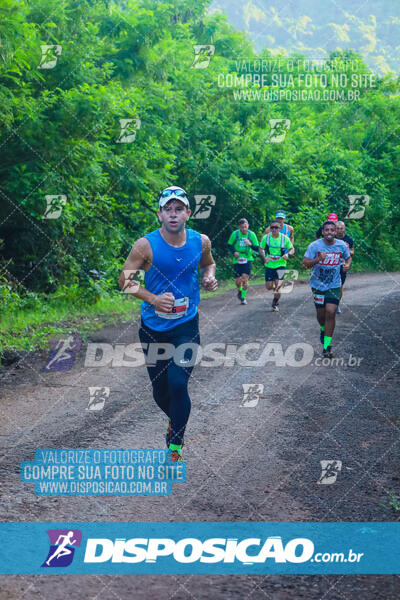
(170, 256)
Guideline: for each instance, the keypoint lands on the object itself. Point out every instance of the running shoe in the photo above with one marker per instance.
(168, 436)
(175, 456)
(243, 301)
(338, 310)
(275, 308)
(327, 352)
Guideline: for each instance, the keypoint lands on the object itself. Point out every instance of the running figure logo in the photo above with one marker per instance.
(278, 130)
(330, 470)
(62, 355)
(204, 205)
(133, 279)
(251, 394)
(357, 206)
(54, 206)
(62, 547)
(290, 276)
(202, 55)
(98, 396)
(129, 127)
(50, 54)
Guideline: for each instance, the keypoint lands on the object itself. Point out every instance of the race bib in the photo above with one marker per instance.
(275, 257)
(178, 311)
(242, 260)
(319, 299)
(331, 259)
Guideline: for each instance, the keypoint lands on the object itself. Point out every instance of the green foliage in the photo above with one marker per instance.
(60, 129)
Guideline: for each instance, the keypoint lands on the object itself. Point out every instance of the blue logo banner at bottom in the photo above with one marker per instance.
(207, 547)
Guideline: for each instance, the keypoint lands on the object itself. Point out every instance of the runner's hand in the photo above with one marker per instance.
(164, 301)
(345, 267)
(236, 255)
(247, 242)
(210, 284)
(285, 257)
(267, 259)
(322, 256)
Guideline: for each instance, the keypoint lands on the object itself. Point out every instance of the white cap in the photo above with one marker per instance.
(173, 193)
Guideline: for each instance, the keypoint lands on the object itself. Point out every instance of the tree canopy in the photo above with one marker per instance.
(122, 111)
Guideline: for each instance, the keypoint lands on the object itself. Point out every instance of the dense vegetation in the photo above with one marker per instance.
(59, 132)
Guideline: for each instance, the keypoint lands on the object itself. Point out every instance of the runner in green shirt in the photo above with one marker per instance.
(241, 244)
(278, 248)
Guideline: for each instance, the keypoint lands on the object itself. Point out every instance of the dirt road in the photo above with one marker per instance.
(259, 462)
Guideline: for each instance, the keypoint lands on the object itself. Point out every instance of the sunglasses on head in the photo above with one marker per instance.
(168, 193)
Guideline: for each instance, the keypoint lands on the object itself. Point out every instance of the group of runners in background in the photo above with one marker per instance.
(275, 248)
(329, 256)
(170, 258)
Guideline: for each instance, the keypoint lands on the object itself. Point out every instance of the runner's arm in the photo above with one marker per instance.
(348, 260)
(234, 252)
(261, 250)
(347, 264)
(256, 247)
(207, 265)
(310, 262)
(252, 242)
(232, 244)
(289, 249)
(291, 253)
(140, 258)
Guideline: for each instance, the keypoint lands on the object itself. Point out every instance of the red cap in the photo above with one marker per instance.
(332, 217)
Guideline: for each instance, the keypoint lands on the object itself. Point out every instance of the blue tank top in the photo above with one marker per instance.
(285, 230)
(173, 270)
